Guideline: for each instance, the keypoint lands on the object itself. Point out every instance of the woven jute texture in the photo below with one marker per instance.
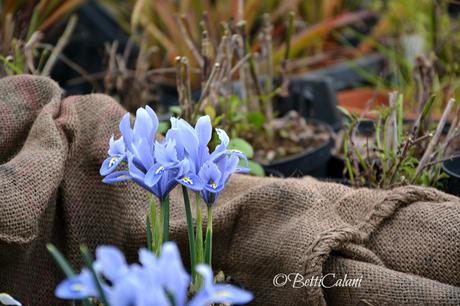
(404, 244)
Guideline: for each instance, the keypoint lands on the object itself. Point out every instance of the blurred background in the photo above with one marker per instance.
(316, 54)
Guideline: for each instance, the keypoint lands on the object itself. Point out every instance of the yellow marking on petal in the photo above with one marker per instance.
(77, 287)
(159, 170)
(112, 161)
(187, 180)
(213, 185)
(223, 294)
(123, 176)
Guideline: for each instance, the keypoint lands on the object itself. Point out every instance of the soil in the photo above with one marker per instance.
(292, 134)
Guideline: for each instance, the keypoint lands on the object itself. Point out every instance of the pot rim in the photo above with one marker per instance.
(325, 145)
(446, 169)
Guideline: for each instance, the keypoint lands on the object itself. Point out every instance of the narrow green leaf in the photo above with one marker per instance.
(89, 264)
(60, 260)
(64, 265)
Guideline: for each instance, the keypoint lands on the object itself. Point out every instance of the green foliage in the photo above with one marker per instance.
(176, 27)
(398, 153)
(256, 119)
(23, 24)
(256, 169)
(241, 145)
(60, 260)
(421, 44)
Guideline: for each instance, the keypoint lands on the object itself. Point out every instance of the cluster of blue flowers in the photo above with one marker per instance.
(155, 281)
(182, 157)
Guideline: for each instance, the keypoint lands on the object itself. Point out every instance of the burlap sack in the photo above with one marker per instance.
(404, 243)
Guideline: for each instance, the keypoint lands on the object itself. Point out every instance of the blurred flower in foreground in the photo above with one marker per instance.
(155, 281)
(6, 299)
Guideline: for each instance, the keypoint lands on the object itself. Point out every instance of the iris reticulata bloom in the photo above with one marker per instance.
(155, 281)
(181, 157)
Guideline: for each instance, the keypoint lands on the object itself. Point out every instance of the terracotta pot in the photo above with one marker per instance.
(363, 101)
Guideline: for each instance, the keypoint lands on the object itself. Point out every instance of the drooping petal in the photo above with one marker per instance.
(110, 164)
(116, 177)
(6, 299)
(240, 169)
(111, 262)
(191, 181)
(154, 175)
(78, 287)
(218, 294)
(214, 187)
(228, 294)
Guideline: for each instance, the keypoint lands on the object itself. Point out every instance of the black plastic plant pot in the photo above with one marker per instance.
(311, 162)
(86, 46)
(312, 97)
(351, 74)
(335, 171)
(452, 168)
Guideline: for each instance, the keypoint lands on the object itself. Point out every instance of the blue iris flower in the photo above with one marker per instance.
(137, 147)
(77, 287)
(201, 170)
(212, 293)
(215, 174)
(181, 157)
(156, 281)
(117, 154)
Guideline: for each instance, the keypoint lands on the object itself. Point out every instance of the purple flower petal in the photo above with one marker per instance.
(116, 177)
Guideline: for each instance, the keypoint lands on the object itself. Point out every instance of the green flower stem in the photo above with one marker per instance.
(199, 242)
(151, 224)
(89, 264)
(199, 231)
(165, 206)
(208, 247)
(150, 246)
(157, 226)
(191, 231)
